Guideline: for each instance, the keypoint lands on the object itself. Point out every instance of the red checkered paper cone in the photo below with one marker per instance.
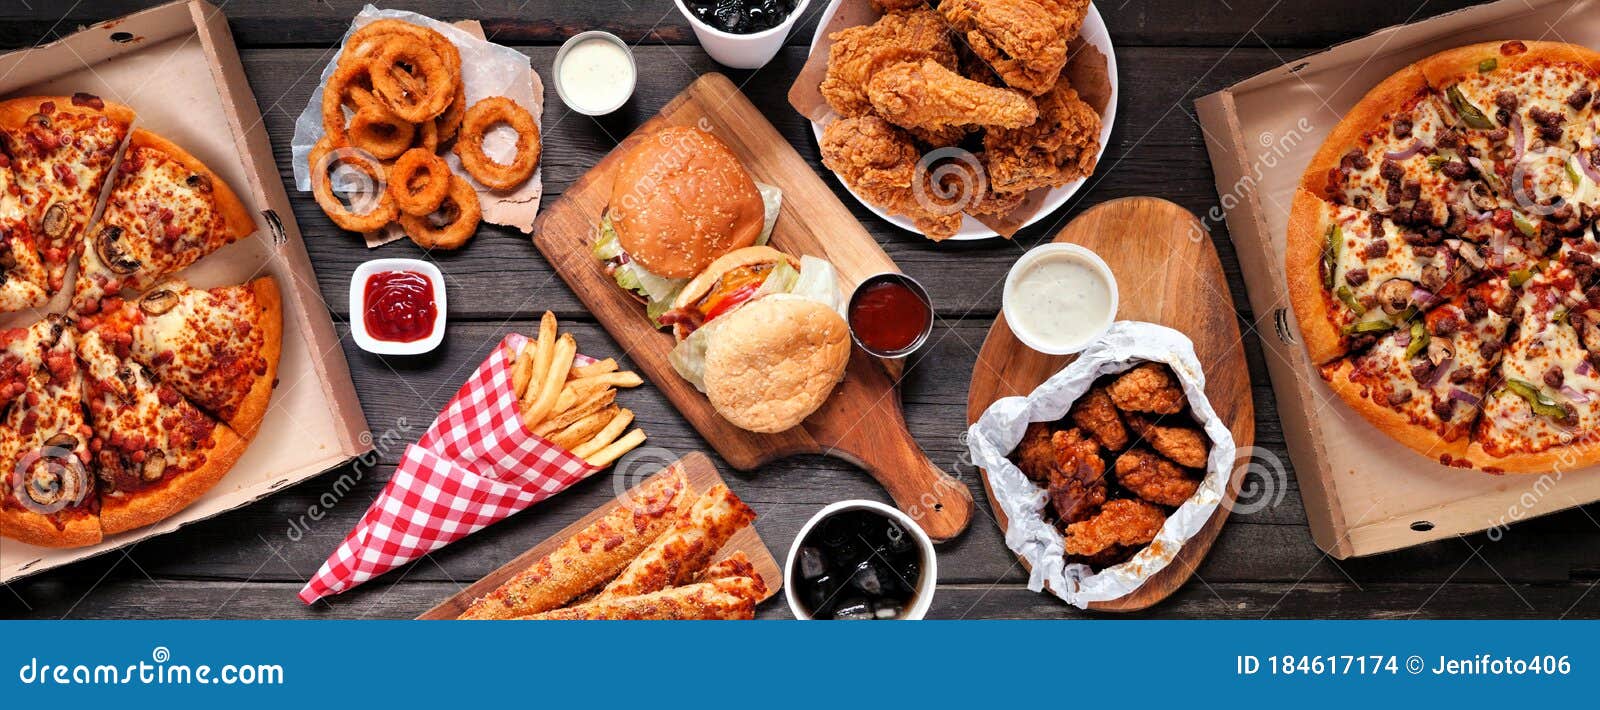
(473, 467)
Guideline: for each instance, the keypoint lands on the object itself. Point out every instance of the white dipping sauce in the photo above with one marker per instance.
(596, 75)
(1060, 299)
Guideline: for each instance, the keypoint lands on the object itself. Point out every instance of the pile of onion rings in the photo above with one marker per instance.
(394, 102)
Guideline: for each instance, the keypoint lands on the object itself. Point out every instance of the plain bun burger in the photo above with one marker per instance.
(680, 199)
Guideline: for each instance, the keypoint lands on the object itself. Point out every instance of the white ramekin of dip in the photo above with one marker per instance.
(594, 73)
(1059, 297)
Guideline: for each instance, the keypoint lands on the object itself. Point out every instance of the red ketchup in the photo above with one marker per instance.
(400, 306)
(889, 317)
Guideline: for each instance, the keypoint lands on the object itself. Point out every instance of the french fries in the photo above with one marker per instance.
(573, 406)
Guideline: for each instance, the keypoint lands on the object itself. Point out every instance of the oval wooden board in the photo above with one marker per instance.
(1167, 273)
(702, 475)
(862, 421)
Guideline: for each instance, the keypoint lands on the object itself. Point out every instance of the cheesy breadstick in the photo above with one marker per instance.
(592, 556)
(728, 598)
(681, 552)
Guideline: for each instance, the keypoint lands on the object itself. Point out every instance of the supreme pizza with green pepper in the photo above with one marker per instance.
(1442, 257)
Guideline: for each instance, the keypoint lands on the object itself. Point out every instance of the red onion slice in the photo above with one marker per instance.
(1588, 168)
(1522, 138)
(1421, 296)
(1403, 153)
(1583, 368)
(1402, 337)
(1461, 395)
(1438, 372)
(1574, 394)
(1497, 247)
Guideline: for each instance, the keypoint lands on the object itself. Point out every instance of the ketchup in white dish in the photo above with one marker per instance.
(1060, 299)
(596, 75)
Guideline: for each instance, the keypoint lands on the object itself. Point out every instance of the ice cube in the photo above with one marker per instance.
(818, 593)
(812, 563)
(853, 609)
(886, 610)
(865, 578)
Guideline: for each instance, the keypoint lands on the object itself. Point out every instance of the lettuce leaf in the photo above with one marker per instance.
(657, 291)
(819, 283)
(771, 202)
(689, 357)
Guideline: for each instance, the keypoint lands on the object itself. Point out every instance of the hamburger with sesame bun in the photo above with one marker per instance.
(680, 200)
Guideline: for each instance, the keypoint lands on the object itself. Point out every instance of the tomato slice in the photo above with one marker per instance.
(731, 299)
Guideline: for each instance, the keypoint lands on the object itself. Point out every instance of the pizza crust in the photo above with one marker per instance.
(35, 529)
(1372, 112)
(15, 112)
(246, 419)
(121, 513)
(1396, 425)
(1303, 265)
(237, 220)
(1556, 459)
(1447, 67)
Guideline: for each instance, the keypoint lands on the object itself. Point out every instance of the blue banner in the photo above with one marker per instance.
(816, 665)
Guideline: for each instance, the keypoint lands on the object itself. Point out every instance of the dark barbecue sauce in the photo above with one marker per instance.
(889, 317)
(400, 306)
(858, 565)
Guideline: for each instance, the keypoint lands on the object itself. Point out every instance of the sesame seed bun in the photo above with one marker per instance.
(774, 361)
(702, 284)
(680, 200)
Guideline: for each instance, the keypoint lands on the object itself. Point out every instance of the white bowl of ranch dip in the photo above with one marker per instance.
(594, 73)
(1059, 297)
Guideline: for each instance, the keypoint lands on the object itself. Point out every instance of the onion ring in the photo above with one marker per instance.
(428, 135)
(326, 155)
(369, 38)
(375, 130)
(452, 224)
(438, 85)
(450, 121)
(475, 125)
(419, 182)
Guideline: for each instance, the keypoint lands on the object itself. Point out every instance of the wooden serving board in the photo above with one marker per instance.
(862, 421)
(1167, 273)
(702, 475)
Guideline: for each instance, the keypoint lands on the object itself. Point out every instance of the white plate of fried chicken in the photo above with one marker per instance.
(949, 111)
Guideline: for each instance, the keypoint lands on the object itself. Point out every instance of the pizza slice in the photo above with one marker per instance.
(61, 148)
(218, 347)
(49, 497)
(166, 210)
(1355, 275)
(1548, 394)
(1394, 154)
(153, 453)
(1522, 109)
(1423, 384)
(23, 279)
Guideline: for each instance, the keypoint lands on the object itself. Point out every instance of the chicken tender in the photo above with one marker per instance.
(1148, 388)
(879, 162)
(859, 52)
(1062, 146)
(1020, 39)
(1185, 446)
(892, 5)
(1095, 413)
(1077, 485)
(928, 95)
(1155, 479)
(1036, 456)
(1119, 522)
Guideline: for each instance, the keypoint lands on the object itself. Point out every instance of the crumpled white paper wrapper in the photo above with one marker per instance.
(994, 436)
(487, 69)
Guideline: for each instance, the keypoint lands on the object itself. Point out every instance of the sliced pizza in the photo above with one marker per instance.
(49, 497)
(23, 279)
(165, 210)
(1355, 275)
(61, 149)
(219, 347)
(1424, 383)
(153, 453)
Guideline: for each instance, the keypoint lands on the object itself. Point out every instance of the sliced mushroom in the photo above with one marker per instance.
(1434, 277)
(53, 482)
(1589, 329)
(1439, 350)
(62, 440)
(108, 247)
(39, 120)
(1469, 253)
(199, 182)
(158, 302)
(54, 224)
(1395, 295)
(155, 464)
(129, 383)
(1482, 198)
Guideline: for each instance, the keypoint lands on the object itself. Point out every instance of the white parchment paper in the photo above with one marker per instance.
(1000, 429)
(487, 69)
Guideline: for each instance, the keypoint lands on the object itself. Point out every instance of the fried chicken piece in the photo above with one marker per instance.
(1077, 485)
(960, 184)
(1148, 388)
(859, 52)
(1069, 15)
(1185, 446)
(1120, 522)
(1095, 413)
(929, 95)
(1035, 455)
(892, 5)
(1155, 479)
(1060, 147)
(1020, 39)
(879, 162)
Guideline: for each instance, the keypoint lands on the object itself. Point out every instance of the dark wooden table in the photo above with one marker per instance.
(251, 562)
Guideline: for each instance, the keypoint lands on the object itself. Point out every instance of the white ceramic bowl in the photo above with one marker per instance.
(1033, 340)
(930, 566)
(1095, 33)
(358, 307)
(561, 56)
(751, 51)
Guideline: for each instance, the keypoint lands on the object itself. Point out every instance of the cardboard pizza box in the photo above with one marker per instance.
(1364, 492)
(177, 66)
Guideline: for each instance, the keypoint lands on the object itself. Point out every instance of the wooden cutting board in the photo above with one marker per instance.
(862, 421)
(702, 475)
(1167, 273)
